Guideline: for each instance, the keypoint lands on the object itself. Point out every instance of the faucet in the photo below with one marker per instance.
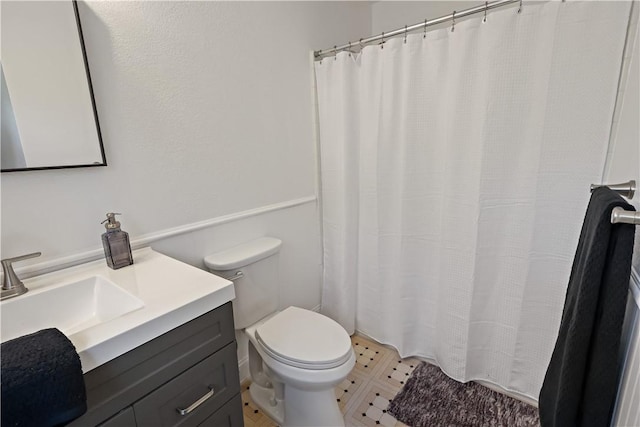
(12, 286)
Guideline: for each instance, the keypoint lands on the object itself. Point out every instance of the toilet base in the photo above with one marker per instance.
(311, 408)
(264, 398)
(303, 407)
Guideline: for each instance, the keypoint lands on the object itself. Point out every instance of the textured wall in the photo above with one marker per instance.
(206, 109)
(391, 15)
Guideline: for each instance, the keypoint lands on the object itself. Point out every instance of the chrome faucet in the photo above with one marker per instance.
(12, 286)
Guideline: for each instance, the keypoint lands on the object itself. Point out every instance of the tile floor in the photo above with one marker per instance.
(363, 397)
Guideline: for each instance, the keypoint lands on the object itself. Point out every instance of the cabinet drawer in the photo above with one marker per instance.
(123, 419)
(122, 381)
(230, 415)
(198, 392)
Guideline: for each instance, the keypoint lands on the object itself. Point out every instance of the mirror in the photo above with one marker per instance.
(49, 118)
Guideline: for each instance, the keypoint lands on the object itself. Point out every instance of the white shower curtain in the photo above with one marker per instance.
(455, 176)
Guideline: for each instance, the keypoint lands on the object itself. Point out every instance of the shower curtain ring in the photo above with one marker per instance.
(453, 21)
(405, 34)
(335, 52)
(486, 6)
(360, 43)
(349, 49)
(424, 36)
(520, 7)
(382, 43)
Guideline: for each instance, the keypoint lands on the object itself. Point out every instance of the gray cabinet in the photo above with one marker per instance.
(227, 416)
(188, 399)
(185, 377)
(124, 418)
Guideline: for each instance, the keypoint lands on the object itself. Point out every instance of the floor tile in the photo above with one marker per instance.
(349, 388)
(363, 397)
(253, 416)
(396, 371)
(366, 390)
(369, 355)
(371, 409)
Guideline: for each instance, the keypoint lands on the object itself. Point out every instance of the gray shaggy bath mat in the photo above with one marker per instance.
(432, 399)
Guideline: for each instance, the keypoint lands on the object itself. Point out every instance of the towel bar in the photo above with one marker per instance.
(625, 189)
(620, 216)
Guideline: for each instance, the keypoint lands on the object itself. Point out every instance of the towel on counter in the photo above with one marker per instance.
(580, 385)
(42, 383)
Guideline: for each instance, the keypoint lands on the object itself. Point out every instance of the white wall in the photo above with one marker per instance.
(391, 15)
(205, 109)
(206, 112)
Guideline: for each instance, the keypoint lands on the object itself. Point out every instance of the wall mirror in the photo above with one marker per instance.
(49, 118)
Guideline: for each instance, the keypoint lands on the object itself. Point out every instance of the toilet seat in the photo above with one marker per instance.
(304, 339)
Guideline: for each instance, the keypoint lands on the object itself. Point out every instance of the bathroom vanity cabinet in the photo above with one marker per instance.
(185, 377)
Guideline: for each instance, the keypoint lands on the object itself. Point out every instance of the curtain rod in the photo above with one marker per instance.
(319, 54)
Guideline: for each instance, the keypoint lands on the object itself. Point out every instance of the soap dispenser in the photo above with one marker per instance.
(117, 249)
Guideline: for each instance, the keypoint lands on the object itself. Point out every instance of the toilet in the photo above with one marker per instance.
(296, 356)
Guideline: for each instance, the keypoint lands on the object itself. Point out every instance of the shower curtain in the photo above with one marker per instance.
(455, 173)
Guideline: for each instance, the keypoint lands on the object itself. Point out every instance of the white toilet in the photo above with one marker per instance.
(296, 356)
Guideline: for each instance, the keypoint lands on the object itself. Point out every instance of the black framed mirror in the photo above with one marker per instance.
(49, 117)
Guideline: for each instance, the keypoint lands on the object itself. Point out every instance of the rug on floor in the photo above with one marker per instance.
(431, 398)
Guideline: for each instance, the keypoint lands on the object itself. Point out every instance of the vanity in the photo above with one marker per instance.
(187, 376)
(156, 339)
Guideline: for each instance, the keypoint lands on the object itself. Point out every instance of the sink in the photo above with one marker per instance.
(106, 313)
(70, 307)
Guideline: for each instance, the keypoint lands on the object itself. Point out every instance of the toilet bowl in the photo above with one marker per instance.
(296, 356)
(303, 351)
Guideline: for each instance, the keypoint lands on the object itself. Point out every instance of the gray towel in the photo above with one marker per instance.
(579, 388)
(42, 382)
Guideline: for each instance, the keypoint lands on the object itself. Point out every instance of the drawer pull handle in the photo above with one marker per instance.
(197, 403)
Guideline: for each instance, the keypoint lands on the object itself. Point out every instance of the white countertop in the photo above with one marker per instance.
(173, 293)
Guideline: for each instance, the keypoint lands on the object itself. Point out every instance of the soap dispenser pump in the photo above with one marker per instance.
(117, 249)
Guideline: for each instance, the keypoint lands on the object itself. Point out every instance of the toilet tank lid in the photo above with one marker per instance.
(244, 254)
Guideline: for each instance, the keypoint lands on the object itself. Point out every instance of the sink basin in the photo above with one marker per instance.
(70, 307)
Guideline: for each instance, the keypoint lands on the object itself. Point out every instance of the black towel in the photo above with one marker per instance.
(580, 385)
(42, 383)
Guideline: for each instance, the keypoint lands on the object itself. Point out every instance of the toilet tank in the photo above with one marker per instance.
(257, 288)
